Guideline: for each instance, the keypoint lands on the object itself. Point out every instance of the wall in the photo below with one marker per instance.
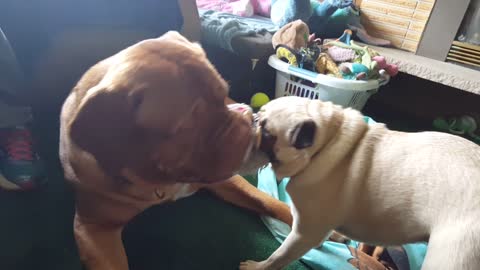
(400, 21)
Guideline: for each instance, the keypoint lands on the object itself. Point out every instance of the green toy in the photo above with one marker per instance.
(258, 100)
(464, 126)
(354, 71)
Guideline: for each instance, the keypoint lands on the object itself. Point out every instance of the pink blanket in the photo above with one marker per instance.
(245, 8)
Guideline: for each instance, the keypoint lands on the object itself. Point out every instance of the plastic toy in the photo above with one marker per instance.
(346, 37)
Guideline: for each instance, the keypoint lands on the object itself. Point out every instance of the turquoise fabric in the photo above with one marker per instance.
(285, 11)
(330, 255)
(416, 254)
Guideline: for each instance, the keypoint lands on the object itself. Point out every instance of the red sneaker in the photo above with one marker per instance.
(21, 167)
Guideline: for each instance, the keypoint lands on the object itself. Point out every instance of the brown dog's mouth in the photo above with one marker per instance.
(248, 114)
(239, 136)
(257, 132)
(256, 137)
(264, 141)
(253, 159)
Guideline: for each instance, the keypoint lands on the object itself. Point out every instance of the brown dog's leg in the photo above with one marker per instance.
(98, 225)
(377, 252)
(238, 191)
(100, 247)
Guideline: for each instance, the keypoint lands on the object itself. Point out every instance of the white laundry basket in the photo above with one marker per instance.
(347, 93)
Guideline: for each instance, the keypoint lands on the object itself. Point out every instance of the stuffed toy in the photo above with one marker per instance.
(339, 54)
(294, 35)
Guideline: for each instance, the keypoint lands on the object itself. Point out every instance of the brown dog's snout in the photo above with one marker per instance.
(244, 110)
(230, 142)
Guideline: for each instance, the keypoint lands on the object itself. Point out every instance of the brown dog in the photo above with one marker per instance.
(145, 126)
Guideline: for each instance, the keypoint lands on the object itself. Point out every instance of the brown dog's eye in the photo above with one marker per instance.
(136, 99)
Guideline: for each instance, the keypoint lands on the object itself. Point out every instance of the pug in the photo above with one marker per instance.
(370, 183)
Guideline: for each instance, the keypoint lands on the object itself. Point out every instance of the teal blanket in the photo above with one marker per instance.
(219, 28)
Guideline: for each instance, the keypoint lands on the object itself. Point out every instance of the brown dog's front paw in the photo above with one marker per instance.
(252, 265)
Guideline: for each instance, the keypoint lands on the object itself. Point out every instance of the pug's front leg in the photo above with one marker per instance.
(297, 243)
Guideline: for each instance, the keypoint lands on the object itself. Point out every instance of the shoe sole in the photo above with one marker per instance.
(5, 184)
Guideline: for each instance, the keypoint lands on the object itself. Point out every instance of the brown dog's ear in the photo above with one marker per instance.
(176, 36)
(102, 126)
(200, 75)
(303, 135)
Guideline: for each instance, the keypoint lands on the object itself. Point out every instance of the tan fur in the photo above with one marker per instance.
(146, 126)
(375, 185)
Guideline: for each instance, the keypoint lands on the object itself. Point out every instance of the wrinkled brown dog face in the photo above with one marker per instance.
(158, 109)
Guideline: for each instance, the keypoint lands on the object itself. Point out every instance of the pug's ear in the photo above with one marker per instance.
(303, 135)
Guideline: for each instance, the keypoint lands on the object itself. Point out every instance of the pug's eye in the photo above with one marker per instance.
(303, 135)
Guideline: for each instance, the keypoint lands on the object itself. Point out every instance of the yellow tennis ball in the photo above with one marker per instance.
(258, 100)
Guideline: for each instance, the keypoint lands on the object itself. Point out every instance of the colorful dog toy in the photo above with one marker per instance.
(354, 71)
(325, 65)
(287, 54)
(308, 56)
(392, 70)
